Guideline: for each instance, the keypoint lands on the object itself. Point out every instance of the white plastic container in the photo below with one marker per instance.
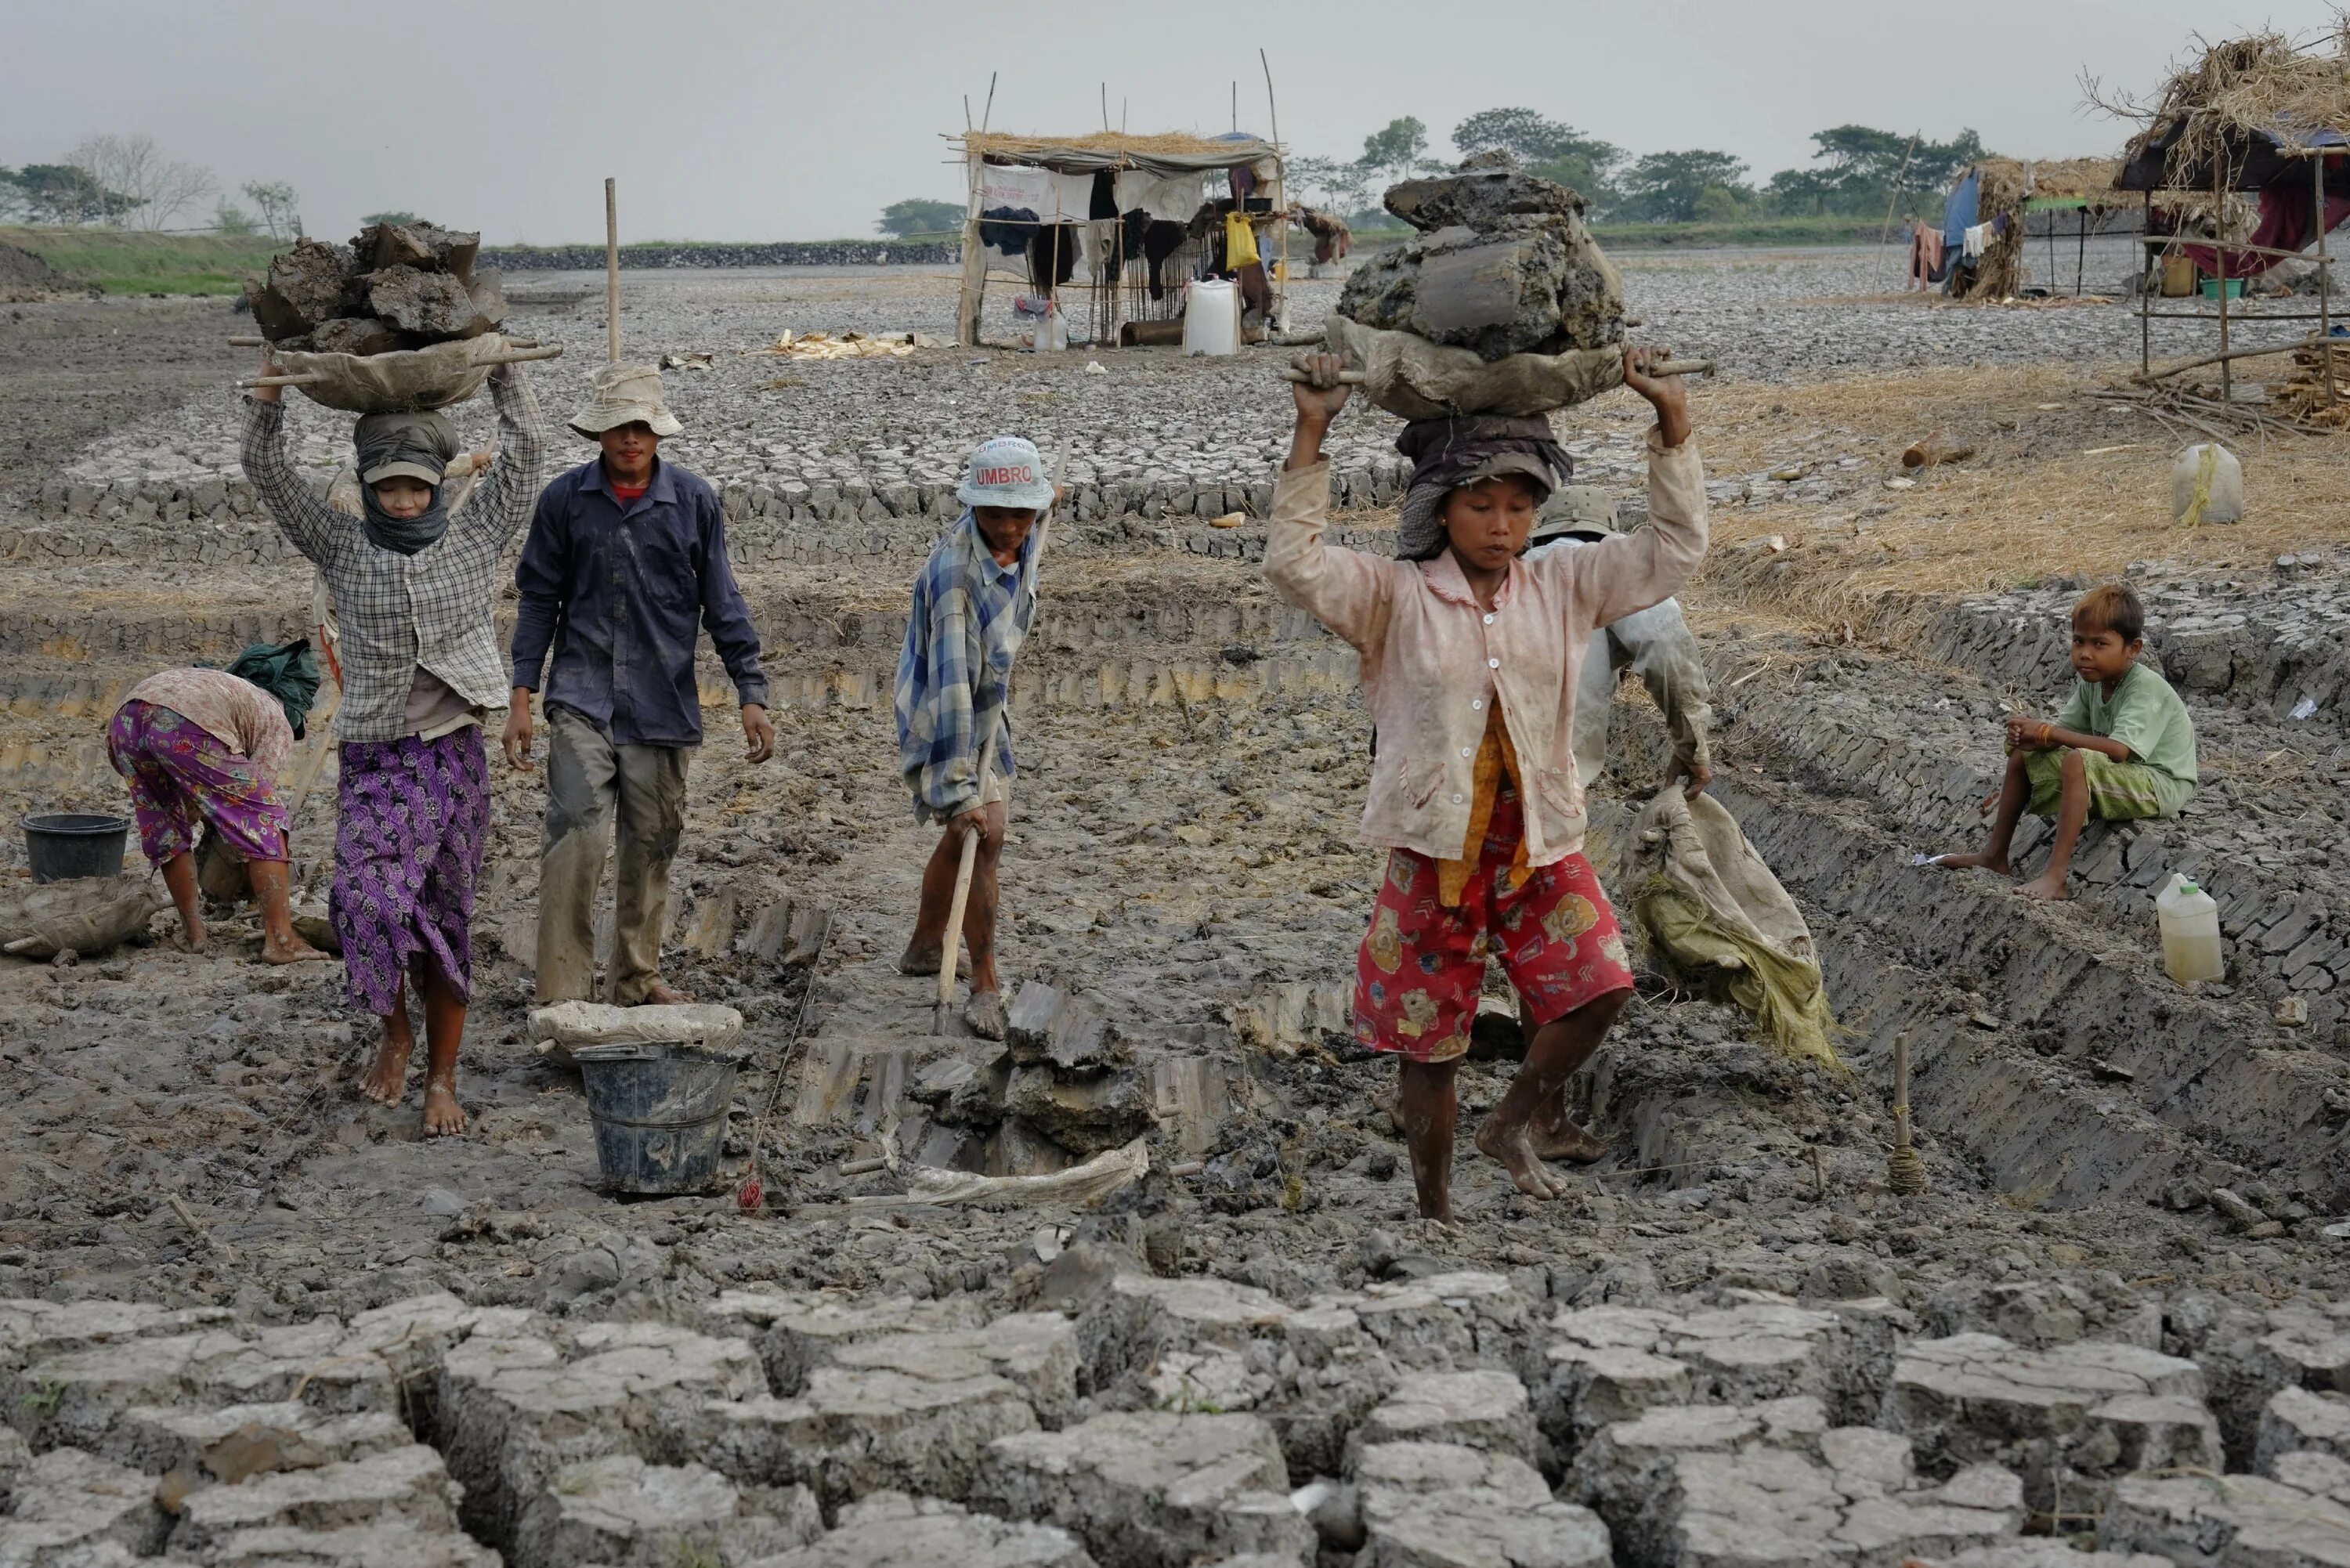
(2189, 918)
(1211, 318)
(2207, 485)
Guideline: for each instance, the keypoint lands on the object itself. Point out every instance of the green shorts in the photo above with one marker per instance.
(2118, 792)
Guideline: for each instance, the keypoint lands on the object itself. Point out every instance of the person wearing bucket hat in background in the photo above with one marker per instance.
(203, 744)
(624, 563)
(973, 606)
(414, 582)
(1471, 663)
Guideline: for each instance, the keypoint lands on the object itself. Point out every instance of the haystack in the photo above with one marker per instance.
(2243, 115)
(2008, 189)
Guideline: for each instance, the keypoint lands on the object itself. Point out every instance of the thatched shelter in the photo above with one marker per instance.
(1983, 218)
(2262, 115)
(1117, 221)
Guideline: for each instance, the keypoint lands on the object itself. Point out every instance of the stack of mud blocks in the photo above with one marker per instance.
(395, 286)
(1501, 264)
(1132, 1419)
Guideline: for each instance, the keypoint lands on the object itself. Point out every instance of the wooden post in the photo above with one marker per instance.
(974, 261)
(2145, 320)
(2219, 252)
(2325, 280)
(611, 275)
(2081, 258)
(988, 113)
(1893, 201)
(1278, 317)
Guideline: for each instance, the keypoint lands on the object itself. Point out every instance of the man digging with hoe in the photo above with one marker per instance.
(1471, 660)
(973, 606)
(625, 561)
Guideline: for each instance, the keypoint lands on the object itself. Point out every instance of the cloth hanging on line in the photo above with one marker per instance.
(1971, 244)
(1926, 256)
(1171, 199)
(1001, 185)
(1007, 229)
(1073, 195)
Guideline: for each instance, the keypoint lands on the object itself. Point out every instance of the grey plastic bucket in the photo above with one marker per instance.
(61, 846)
(659, 1114)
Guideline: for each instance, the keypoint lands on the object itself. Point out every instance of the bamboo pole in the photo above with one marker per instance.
(2324, 281)
(988, 113)
(974, 261)
(2219, 254)
(611, 274)
(2145, 321)
(1279, 321)
(1893, 201)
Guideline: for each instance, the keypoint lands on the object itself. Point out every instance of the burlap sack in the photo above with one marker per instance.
(85, 914)
(1415, 378)
(407, 380)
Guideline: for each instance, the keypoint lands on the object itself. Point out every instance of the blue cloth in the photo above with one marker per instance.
(1959, 210)
(954, 674)
(619, 595)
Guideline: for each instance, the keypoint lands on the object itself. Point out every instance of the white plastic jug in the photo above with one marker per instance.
(2189, 918)
(2207, 485)
(1211, 318)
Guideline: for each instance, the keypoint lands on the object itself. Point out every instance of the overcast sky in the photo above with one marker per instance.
(734, 119)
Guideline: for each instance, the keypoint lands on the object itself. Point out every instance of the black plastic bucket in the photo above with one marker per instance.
(64, 845)
(659, 1114)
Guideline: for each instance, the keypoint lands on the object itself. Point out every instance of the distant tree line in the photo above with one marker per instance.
(1856, 172)
(128, 183)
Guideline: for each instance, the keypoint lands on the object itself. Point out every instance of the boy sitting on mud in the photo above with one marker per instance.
(1471, 662)
(2124, 747)
(971, 609)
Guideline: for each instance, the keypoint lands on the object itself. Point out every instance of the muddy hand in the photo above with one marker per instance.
(1667, 394)
(268, 367)
(1321, 395)
(758, 733)
(517, 738)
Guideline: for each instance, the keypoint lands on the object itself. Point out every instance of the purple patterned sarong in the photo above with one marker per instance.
(411, 822)
(180, 770)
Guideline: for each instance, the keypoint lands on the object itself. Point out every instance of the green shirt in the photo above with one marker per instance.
(2144, 714)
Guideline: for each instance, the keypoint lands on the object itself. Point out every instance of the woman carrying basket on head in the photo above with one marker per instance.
(1470, 660)
(414, 582)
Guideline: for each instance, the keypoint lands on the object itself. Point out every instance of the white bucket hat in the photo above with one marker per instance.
(622, 395)
(1006, 472)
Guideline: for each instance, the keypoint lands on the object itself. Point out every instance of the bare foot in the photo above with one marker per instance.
(925, 960)
(294, 949)
(984, 1014)
(1569, 1142)
(387, 1081)
(1976, 862)
(660, 993)
(2048, 884)
(443, 1116)
(1514, 1147)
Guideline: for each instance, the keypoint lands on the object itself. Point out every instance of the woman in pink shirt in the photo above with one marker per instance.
(1470, 661)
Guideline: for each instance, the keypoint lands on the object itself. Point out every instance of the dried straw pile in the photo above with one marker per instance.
(1006, 144)
(2007, 185)
(2260, 84)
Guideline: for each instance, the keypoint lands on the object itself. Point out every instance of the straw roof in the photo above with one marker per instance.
(2055, 177)
(2260, 86)
(1179, 144)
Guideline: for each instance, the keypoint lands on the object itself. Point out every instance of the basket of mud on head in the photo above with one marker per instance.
(659, 1112)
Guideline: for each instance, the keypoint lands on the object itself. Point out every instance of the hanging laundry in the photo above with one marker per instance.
(1173, 200)
(1074, 195)
(1102, 202)
(1007, 229)
(1978, 236)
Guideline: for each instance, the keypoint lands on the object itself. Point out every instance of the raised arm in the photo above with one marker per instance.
(502, 501)
(307, 522)
(1346, 590)
(1616, 576)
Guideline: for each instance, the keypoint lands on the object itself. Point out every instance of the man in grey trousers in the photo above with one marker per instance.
(625, 561)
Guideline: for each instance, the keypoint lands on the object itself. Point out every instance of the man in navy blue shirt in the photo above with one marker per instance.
(625, 561)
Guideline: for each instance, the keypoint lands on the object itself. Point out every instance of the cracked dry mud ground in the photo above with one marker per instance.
(2120, 1285)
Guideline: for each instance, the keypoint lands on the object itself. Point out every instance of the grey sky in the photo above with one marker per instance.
(729, 119)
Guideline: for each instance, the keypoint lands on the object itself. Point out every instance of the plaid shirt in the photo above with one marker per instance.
(954, 674)
(397, 612)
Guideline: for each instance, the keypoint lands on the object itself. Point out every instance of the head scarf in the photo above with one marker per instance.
(1448, 453)
(427, 441)
(287, 672)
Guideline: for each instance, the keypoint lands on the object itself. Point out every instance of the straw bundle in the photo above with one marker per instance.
(2262, 83)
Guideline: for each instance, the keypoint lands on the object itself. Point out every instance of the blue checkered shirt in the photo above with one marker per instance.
(954, 674)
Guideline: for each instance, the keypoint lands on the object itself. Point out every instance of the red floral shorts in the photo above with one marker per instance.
(1422, 966)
